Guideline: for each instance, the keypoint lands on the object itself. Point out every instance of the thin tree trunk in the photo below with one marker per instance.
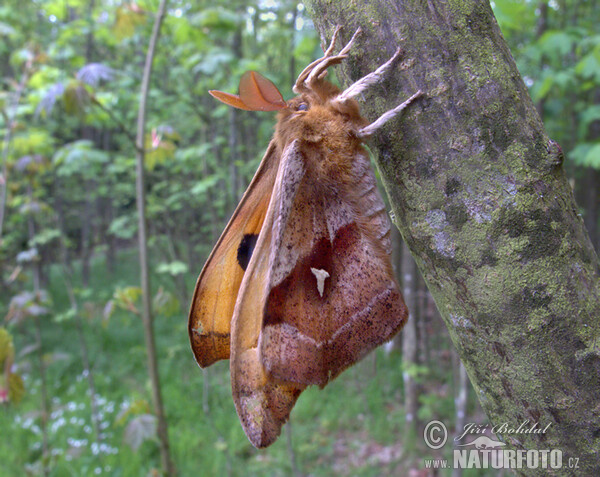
(409, 346)
(427, 312)
(234, 131)
(461, 394)
(479, 193)
(397, 245)
(162, 430)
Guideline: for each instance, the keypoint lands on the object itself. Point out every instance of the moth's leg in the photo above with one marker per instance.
(385, 117)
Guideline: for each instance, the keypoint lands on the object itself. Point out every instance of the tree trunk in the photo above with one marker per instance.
(480, 197)
(409, 347)
(162, 429)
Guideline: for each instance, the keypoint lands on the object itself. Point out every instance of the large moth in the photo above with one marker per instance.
(300, 285)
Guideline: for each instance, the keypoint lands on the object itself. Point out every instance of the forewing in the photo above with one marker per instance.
(263, 404)
(217, 287)
(332, 293)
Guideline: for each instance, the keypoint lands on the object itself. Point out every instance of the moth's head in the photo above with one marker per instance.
(315, 115)
(320, 110)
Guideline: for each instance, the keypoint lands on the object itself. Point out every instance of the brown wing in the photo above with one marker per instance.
(218, 284)
(332, 293)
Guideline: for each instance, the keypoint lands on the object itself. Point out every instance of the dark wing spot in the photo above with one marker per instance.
(245, 250)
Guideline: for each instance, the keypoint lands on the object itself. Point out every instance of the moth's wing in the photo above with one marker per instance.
(218, 284)
(332, 295)
(263, 404)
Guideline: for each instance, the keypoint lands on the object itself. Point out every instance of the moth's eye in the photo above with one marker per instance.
(302, 107)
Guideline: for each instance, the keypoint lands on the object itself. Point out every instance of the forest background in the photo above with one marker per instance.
(74, 381)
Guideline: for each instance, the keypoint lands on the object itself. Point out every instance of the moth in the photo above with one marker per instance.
(300, 285)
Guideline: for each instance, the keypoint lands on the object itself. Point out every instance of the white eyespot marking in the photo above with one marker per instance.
(320, 275)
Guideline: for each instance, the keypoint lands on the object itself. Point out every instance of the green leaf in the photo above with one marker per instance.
(136, 408)
(16, 388)
(586, 154)
(202, 186)
(7, 349)
(587, 117)
(306, 46)
(33, 141)
(513, 14)
(217, 18)
(127, 297)
(76, 98)
(66, 316)
(44, 77)
(557, 42)
(215, 62)
(44, 237)
(173, 268)
(157, 154)
(589, 66)
(127, 19)
(79, 157)
(124, 227)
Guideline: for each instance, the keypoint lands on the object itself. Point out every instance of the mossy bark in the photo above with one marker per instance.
(480, 197)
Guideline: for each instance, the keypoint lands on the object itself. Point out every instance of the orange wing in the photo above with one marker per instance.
(218, 284)
(262, 404)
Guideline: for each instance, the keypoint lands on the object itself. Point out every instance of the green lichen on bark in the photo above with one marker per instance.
(480, 197)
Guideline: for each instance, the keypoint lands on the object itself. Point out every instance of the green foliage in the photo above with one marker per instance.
(124, 227)
(79, 158)
(587, 154)
(559, 55)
